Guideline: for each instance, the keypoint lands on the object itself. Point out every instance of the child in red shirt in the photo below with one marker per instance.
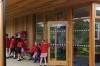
(12, 46)
(34, 50)
(44, 49)
(19, 46)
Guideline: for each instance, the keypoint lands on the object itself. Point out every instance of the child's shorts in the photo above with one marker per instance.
(43, 55)
(35, 54)
(22, 50)
(18, 50)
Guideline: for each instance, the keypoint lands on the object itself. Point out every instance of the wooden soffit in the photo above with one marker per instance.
(16, 8)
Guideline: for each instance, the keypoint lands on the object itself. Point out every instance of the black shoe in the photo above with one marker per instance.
(11, 56)
(45, 65)
(40, 65)
(7, 57)
(22, 58)
(19, 60)
(14, 57)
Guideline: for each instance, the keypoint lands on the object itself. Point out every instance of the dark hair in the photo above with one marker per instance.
(43, 40)
(12, 37)
(19, 40)
(6, 34)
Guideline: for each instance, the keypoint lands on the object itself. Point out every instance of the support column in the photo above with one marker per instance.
(70, 36)
(92, 36)
(1, 35)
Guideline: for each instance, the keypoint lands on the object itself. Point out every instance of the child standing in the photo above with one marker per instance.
(7, 46)
(12, 47)
(19, 47)
(35, 50)
(44, 49)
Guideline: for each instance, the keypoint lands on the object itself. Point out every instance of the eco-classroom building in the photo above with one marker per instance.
(72, 27)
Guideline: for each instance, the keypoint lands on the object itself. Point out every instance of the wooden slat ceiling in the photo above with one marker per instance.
(16, 8)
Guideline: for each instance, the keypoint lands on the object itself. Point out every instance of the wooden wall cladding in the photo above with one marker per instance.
(19, 24)
(30, 29)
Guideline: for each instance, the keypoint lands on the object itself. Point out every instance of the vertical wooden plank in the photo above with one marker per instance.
(16, 21)
(92, 36)
(11, 28)
(34, 28)
(30, 29)
(1, 35)
(70, 36)
(14, 25)
(24, 22)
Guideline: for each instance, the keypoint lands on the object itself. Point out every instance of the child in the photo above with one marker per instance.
(7, 46)
(12, 47)
(23, 49)
(19, 46)
(26, 43)
(44, 49)
(34, 52)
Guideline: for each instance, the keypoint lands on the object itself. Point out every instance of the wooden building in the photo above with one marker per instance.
(72, 27)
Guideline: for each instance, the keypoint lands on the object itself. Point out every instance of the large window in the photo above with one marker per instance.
(97, 35)
(81, 36)
(97, 41)
(39, 29)
(97, 30)
(51, 17)
(62, 15)
(97, 10)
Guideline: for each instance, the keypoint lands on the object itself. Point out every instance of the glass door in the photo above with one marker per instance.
(57, 37)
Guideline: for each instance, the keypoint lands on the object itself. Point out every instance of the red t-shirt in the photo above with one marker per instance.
(33, 49)
(44, 48)
(20, 44)
(7, 42)
(12, 43)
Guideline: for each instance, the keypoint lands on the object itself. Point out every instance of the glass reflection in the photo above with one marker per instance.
(81, 12)
(97, 43)
(58, 41)
(51, 17)
(62, 15)
(97, 10)
(61, 42)
(39, 29)
(52, 42)
(81, 43)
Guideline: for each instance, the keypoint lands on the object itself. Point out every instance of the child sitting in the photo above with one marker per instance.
(34, 51)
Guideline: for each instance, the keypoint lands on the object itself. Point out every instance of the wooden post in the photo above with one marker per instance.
(70, 36)
(1, 35)
(92, 36)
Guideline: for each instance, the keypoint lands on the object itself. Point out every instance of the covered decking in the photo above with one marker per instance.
(22, 15)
